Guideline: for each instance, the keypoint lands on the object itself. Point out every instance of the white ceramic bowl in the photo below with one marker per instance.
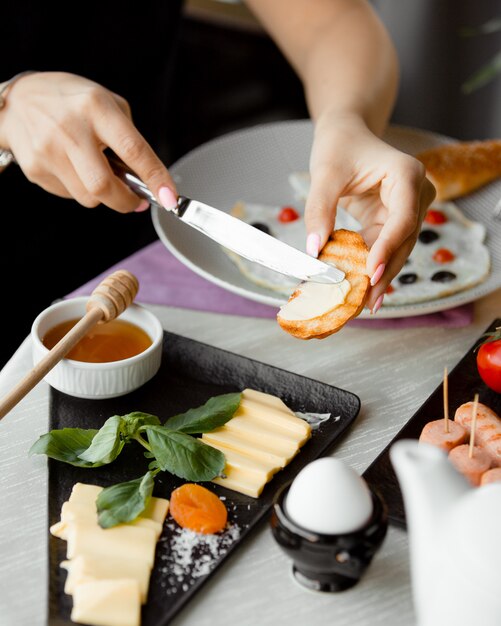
(98, 380)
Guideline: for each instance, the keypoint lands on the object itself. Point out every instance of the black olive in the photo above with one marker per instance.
(443, 277)
(407, 279)
(428, 236)
(261, 226)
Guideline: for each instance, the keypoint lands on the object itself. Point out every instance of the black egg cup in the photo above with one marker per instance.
(328, 562)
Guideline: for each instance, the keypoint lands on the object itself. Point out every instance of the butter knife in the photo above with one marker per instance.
(234, 234)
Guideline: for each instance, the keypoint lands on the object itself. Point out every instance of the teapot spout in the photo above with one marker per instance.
(429, 482)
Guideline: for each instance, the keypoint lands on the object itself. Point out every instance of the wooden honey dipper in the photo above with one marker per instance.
(108, 300)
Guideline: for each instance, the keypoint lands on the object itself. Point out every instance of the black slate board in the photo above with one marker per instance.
(463, 383)
(190, 373)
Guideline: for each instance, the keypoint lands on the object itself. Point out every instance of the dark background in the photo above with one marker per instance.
(220, 76)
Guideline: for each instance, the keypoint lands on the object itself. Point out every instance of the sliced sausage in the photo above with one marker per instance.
(472, 468)
(487, 431)
(434, 433)
(491, 476)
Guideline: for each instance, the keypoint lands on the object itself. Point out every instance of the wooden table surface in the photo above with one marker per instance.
(255, 586)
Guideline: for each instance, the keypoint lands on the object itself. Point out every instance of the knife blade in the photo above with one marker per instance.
(236, 235)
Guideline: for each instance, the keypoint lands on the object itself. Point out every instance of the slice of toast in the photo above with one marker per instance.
(347, 251)
(457, 169)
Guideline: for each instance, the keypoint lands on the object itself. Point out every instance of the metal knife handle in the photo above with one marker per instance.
(132, 181)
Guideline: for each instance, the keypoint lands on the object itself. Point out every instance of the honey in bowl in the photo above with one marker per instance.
(113, 341)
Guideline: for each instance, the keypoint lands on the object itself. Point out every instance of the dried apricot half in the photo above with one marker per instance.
(197, 508)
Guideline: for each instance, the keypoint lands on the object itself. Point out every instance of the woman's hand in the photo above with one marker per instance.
(384, 189)
(57, 126)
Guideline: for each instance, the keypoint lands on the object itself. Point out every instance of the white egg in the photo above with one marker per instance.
(329, 497)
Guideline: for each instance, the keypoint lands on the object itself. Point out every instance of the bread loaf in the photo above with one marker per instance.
(457, 169)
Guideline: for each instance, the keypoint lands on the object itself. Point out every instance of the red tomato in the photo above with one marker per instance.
(442, 255)
(288, 214)
(489, 364)
(435, 217)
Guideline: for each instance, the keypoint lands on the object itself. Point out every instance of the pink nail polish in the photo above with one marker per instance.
(377, 304)
(313, 244)
(142, 206)
(377, 274)
(167, 197)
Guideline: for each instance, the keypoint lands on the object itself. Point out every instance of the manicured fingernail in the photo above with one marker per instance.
(377, 274)
(142, 207)
(313, 244)
(377, 304)
(167, 197)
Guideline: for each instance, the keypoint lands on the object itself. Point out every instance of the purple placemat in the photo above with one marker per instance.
(164, 280)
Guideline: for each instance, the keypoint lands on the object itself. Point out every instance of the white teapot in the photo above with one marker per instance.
(455, 539)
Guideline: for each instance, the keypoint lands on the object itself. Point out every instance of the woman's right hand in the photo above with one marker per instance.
(57, 126)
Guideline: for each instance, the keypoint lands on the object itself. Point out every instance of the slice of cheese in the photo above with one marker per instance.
(250, 488)
(107, 603)
(86, 568)
(108, 569)
(143, 522)
(225, 439)
(266, 399)
(58, 530)
(252, 430)
(90, 540)
(244, 466)
(77, 510)
(259, 440)
(271, 416)
(82, 502)
(84, 493)
(156, 510)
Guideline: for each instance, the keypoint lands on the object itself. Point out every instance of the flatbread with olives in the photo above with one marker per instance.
(449, 256)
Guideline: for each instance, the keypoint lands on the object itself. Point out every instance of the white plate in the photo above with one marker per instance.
(253, 165)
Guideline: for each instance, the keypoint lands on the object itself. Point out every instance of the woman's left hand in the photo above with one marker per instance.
(384, 189)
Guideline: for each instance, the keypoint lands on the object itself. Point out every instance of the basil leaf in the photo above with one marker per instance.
(124, 502)
(66, 444)
(132, 422)
(154, 466)
(214, 413)
(183, 455)
(107, 444)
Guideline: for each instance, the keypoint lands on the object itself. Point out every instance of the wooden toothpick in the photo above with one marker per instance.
(473, 426)
(446, 402)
